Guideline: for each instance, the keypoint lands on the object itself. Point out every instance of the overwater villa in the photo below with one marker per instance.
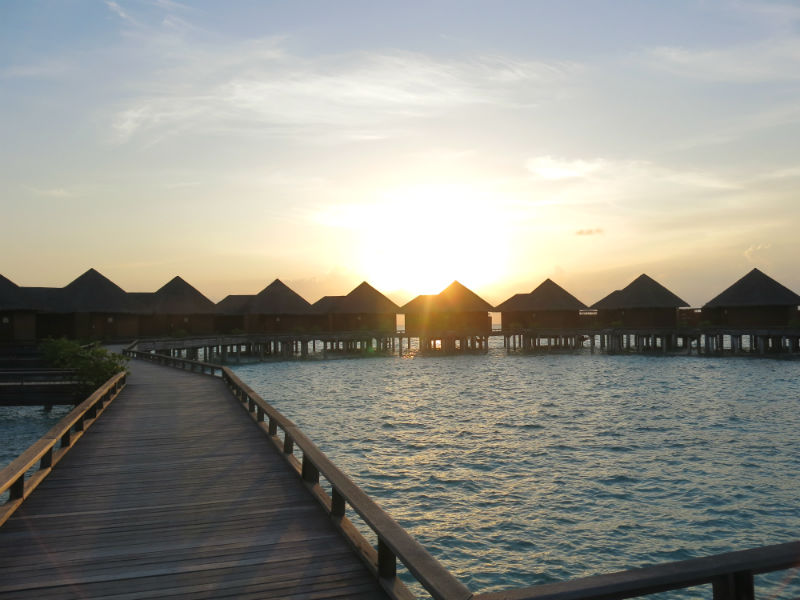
(175, 309)
(17, 316)
(363, 320)
(278, 309)
(641, 316)
(642, 303)
(755, 300)
(454, 320)
(758, 309)
(229, 314)
(363, 309)
(549, 314)
(91, 307)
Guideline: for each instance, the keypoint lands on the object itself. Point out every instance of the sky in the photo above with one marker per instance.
(407, 144)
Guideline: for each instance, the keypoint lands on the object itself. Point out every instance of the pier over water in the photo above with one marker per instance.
(174, 492)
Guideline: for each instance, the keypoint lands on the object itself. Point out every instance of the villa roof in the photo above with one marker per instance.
(143, 302)
(325, 305)
(92, 292)
(755, 289)
(234, 304)
(11, 296)
(454, 298)
(278, 299)
(364, 299)
(547, 296)
(642, 292)
(179, 298)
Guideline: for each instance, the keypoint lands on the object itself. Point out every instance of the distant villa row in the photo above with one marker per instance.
(94, 307)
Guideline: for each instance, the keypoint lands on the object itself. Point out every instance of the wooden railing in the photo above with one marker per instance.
(393, 541)
(63, 434)
(730, 575)
(195, 366)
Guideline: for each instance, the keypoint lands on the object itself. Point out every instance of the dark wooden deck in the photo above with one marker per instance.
(176, 493)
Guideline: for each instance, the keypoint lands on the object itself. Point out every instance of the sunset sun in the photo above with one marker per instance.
(420, 238)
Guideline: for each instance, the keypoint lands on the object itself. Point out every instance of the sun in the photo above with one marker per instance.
(419, 239)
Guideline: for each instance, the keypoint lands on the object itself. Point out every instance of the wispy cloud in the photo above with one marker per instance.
(52, 192)
(757, 253)
(595, 231)
(261, 85)
(120, 12)
(554, 169)
(45, 69)
(598, 170)
(770, 60)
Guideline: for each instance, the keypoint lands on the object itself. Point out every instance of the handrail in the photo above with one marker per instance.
(394, 542)
(731, 575)
(67, 431)
(196, 366)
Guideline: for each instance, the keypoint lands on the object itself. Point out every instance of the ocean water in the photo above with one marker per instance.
(21, 426)
(519, 470)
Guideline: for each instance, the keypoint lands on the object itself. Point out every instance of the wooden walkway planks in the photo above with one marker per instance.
(175, 493)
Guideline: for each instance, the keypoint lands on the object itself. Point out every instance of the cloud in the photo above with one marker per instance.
(118, 10)
(46, 69)
(756, 253)
(770, 60)
(549, 168)
(623, 172)
(52, 192)
(596, 231)
(260, 85)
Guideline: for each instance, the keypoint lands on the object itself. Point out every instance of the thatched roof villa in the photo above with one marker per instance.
(363, 309)
(17, 319)
(278, 309)
(176, 308)
(455, 311)
(642, 303)
(755, 300)
(549, 306)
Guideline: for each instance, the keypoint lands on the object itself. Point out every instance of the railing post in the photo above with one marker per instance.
(47, 460)
(338, 504)
(66, 439)
(273, 426)
(310, 471)
(259, 414)
(17, 489)
(387, 562)
(288, 443)
(734, 586)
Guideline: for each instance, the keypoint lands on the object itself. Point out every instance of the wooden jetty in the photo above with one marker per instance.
(177, 492)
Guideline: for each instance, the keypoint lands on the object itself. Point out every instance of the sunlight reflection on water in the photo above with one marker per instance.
(520, 470)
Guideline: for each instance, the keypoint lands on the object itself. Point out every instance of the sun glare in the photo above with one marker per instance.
(419, 239)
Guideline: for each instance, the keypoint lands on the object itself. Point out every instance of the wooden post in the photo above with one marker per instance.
(387, 562)
(734, 586)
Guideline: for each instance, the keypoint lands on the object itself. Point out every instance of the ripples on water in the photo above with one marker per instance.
(521, 470)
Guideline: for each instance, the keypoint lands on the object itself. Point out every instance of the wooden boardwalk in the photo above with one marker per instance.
(176, 493)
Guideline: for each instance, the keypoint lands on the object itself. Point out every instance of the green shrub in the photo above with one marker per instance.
(93, 364)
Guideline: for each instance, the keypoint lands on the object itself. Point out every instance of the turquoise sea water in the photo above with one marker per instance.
(520, 470)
